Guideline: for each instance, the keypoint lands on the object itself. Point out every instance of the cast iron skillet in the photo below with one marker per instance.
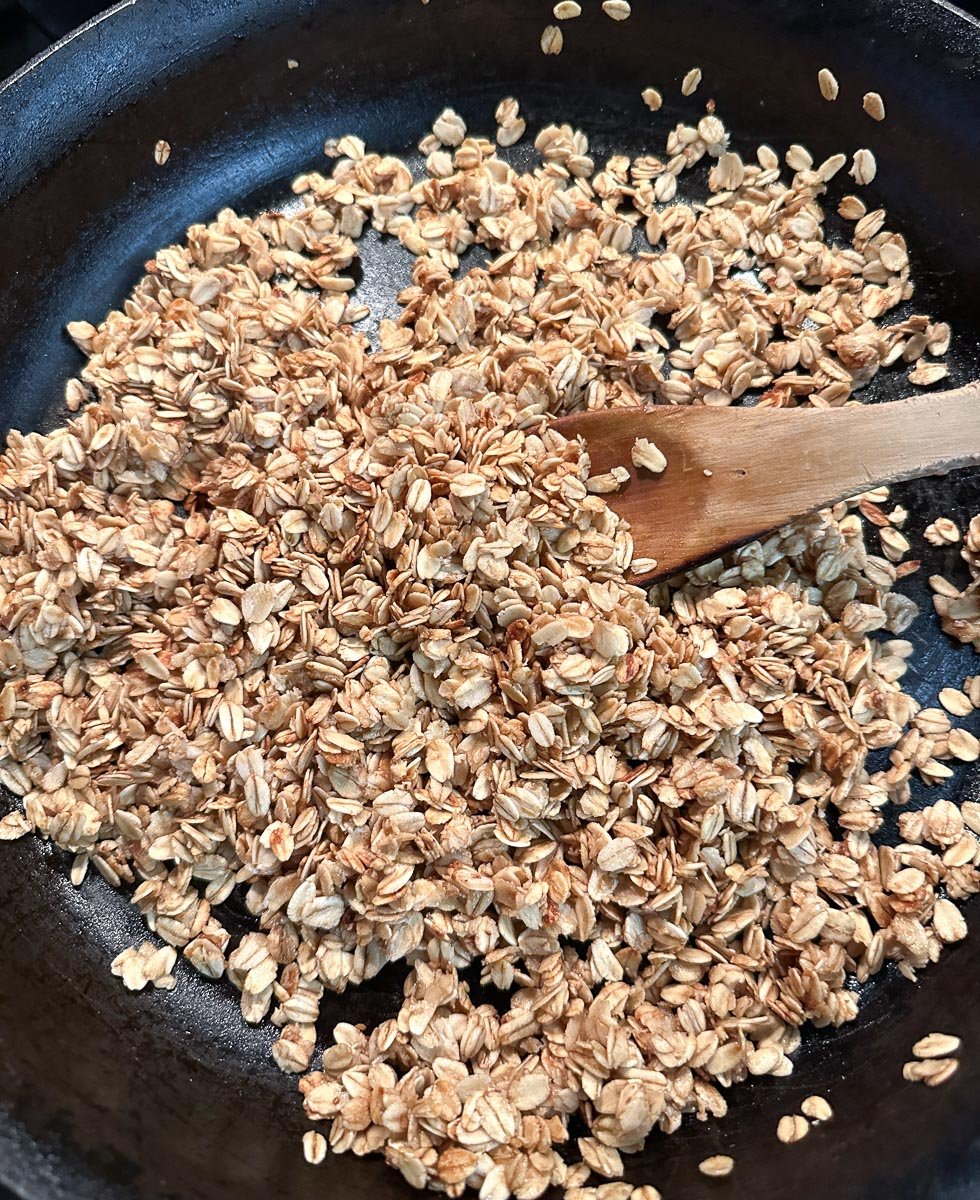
(109, 1095)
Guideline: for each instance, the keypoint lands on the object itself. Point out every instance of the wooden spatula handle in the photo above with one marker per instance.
(736, 474)
(884, 443)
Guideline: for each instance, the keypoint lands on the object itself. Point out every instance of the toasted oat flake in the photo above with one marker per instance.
(314, 1147)
(13, 826)
(792, 1128)
(829, 87)
(816, 1108)
(652, 99)
(874, 106)
(924, 374)
(942, 531)
(567, 10)
(956, 702)
(690, 82)
(863, 167)
(618, 10)
(647, 455)
(932, 1072)
(717, 1166)
(936, 1045)
(161, 152)
(552, 40)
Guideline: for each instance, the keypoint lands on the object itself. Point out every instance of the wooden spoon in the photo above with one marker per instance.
(734, 474)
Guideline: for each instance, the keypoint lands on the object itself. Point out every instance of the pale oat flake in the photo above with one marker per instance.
(717, 1166)
(827, 82)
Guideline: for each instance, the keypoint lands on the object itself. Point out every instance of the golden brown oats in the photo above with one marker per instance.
(161, 152)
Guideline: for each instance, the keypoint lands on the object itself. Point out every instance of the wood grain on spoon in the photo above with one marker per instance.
(734, 474)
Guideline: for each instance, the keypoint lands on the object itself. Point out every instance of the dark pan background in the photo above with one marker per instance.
(881, 1146)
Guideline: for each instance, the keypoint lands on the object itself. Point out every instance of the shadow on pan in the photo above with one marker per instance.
(109, 1095)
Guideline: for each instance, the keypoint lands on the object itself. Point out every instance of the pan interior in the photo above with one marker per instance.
(109, 1094)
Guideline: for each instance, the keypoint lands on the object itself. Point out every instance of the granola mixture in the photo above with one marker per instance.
(345, 626)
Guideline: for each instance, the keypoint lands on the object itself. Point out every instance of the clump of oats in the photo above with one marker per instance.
(352, 628)
(933, 1072)
(141, 965)
(511, 126)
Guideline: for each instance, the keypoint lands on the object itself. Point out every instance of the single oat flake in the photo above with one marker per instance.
(161, 152)
(717, 1166)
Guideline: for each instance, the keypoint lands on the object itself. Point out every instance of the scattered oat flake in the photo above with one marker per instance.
(863, 167)
(829, 87)
(314, 1147)
(924, 374)
(567, 10)
(816, 1108)
(936, 1045)
(652, 99)
(717, 1166)
(690, 82)
(874, 106)
(161, 152)
(552, 40)
(292, 64)
(792, 1128)
(933, 1072)
(956, 702)
(618, 10)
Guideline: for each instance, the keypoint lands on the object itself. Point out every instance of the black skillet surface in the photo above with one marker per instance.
(109, 1095)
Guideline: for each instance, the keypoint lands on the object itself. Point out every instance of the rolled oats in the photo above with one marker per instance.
(352, 628)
